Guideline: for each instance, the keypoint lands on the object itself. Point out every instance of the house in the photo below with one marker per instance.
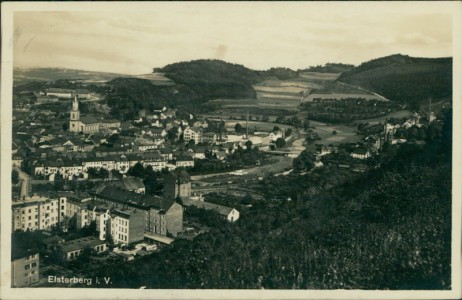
(153, 159)
(193, 133)
(199, 153)
(159, 132)
(184, 161)
(77, 211)
(360, 153)
(127, 225)
(228, 213)
(201, 124)
(166, 153)
(70, 250)
(209, 137)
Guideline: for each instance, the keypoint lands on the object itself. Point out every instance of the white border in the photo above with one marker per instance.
(6, 292)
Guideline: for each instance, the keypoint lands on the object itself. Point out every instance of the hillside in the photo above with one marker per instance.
(403, 78)
(26, 75)
(129, 95)
(212, 79)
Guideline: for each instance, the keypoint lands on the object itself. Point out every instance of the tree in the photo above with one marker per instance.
(14, 177)
(280, 119)
(288, 132)
(113, 138)
(334, 132)
(276, 128)
(191, 143)
(137, 170)
(248, 145)
(280, 142)
(150, 181)
(238, 128)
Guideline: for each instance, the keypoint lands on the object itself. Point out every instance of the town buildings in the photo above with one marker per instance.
(162, 216)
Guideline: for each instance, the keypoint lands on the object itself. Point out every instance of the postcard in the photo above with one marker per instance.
(231, 150)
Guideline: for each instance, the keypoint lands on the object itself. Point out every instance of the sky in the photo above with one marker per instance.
(258, 35)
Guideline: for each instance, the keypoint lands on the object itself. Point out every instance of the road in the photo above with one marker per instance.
(25, 182)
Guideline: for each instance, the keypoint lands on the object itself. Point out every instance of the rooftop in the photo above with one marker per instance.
(137, 200)
(81, 243)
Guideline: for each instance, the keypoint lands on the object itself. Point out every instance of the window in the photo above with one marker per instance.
(26, 267)
(30, 218)
(34, 265)
(30, 210)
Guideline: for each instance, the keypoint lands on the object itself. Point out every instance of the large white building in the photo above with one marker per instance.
(193, 133)
(37, 213)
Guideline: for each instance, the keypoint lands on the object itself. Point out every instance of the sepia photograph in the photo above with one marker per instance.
(231, 150)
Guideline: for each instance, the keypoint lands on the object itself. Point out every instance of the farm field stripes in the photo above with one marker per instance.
(320, 76)
(311, 97)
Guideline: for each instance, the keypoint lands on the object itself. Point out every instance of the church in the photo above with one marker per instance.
(88, 124)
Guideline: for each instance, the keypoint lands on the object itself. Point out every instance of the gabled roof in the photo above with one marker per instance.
(88, 120)
(220, 209)
(122, 196)
(73, 245)
(132, 183)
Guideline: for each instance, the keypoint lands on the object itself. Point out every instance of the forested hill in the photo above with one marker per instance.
(212, 79)
(403, 78)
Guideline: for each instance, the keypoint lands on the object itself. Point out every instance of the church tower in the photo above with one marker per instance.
(75, 116)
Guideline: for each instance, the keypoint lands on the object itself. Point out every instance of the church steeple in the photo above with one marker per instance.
(75, 104)
(75, 116)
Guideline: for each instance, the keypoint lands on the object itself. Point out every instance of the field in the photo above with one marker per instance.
(345, 134)
(274, 92)
(394, 114)
(156, 78)
(320, 76)
(339, 96)
(254, 125)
